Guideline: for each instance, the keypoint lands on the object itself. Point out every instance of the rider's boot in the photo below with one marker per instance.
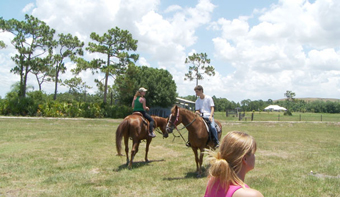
(151, 133)
(217, 144)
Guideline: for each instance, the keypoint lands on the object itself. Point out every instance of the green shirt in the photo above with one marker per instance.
(138, 105)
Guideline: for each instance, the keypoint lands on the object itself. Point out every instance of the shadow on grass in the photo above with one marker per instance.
(189, 175)
(137, 164)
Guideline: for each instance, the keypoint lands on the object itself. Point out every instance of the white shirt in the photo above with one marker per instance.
(204, 105)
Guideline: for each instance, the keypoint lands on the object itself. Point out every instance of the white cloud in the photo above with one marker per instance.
(28, 8)
(143, 62)
(326, 60)
(173, 8)
(284, 51)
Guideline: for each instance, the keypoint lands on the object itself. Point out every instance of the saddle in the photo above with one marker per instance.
(145, 121)
(208, 125)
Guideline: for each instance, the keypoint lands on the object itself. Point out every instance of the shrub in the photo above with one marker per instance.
(288, 113)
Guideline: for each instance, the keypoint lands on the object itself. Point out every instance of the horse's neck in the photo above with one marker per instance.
(160, 121)
(187, 117)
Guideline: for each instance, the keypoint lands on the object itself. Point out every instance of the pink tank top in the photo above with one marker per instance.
(220, 192)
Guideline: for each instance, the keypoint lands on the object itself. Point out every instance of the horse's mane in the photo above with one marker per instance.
(186, 110)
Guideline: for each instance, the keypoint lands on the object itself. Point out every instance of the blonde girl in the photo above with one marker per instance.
(229, 166)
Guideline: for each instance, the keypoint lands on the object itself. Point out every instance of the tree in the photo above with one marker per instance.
(2, 44)
(2, 25)
(190, 97)
(76, 86)
(42, 70)
(68, 46)
(115, 44)
(198, 67)
(33, 40)
(161, 86)
(290, 97)
(245, 104)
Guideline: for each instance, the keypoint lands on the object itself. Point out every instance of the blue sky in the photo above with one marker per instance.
(260, 49)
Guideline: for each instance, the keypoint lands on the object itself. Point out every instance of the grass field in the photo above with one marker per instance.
(77, 157)
(278, 116)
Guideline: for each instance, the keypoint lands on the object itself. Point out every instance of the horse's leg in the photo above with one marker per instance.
(200, 162)
(134, 150)
(148, 141)
(126, 143)
(196, 158)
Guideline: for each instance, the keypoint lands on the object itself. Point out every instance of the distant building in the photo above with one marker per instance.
(165, 112)
(190, 105)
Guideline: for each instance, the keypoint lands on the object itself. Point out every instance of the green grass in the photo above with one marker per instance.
(77, 157)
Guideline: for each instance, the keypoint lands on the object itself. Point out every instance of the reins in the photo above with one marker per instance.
(178, 130)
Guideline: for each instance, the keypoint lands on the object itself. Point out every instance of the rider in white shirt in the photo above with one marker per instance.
(204, 107)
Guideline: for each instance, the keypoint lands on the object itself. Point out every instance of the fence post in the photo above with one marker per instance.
(300, 117)
(321, 117)
(278, 118)
(252, 116)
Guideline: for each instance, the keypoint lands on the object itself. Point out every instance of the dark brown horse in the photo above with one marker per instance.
(134, 127)
(197, 132)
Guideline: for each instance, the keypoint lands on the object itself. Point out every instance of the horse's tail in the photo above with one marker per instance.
(121, 129)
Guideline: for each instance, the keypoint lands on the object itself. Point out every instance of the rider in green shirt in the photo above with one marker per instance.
(139, 105)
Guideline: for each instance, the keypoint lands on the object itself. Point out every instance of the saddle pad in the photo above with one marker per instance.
(206, 125)
(218, 128)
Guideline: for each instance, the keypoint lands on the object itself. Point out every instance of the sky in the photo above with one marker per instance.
(259, 49)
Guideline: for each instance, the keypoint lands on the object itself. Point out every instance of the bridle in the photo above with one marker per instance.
(173, 124)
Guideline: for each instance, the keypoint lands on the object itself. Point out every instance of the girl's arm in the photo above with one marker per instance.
(143, 101)
(133, 102)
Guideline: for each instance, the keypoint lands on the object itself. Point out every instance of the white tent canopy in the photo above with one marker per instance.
(275, 108)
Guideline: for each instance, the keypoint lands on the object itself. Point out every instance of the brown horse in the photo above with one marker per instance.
(134, 127)
(197, 132)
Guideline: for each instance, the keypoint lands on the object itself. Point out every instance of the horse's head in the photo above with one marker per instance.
(173, 119)
(161, 123)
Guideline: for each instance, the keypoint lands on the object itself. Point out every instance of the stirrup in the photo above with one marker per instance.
(188, 144)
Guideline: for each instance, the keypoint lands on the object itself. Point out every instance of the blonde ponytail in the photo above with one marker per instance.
(225, 164)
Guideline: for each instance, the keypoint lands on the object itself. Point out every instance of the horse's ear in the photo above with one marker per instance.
(176, 107)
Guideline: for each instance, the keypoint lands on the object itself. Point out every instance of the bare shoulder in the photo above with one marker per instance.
(247, 192)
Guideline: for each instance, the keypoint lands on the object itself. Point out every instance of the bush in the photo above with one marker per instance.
(117, 111)
(288, 113)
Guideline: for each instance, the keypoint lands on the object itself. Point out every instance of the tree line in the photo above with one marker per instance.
(293, 105)
(43, 54)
